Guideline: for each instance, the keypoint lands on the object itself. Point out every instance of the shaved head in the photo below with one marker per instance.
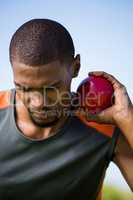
(40, 41)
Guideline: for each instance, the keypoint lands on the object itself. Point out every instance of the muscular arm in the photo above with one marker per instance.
(124, 159)
(121, 115)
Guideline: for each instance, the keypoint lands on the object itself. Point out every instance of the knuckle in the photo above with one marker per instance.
(123, 87)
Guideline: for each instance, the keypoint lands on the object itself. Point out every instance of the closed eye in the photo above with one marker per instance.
(28, 89)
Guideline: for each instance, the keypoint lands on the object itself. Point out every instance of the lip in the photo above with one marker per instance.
(42, 112)
(41, 115)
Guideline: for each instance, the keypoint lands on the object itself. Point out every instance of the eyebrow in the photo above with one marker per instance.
(24, 86)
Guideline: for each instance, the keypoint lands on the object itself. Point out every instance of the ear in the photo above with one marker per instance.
(76, 66)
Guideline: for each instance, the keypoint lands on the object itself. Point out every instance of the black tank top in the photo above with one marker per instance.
(69, 165)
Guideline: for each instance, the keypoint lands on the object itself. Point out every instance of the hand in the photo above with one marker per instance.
(122, 104)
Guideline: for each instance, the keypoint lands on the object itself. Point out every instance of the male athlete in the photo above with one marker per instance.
(47, 150)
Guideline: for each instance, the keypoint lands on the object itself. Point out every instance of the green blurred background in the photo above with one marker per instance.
(113, 193)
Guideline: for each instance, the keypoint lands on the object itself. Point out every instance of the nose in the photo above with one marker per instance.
(37, 100)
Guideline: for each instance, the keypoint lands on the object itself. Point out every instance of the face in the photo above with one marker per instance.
(44, 90)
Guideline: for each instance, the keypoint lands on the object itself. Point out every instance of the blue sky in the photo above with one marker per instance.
(102, 32)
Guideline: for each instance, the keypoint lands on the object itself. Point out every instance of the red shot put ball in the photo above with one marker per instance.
(95, 94)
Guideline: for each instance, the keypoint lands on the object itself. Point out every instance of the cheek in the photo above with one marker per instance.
(23, 97)
(67, 83)
(69, 78)
(65, 95)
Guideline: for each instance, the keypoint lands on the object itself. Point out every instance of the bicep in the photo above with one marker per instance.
(123, 158)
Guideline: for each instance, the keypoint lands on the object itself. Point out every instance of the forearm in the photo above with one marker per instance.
(126, 126)
(125, 164)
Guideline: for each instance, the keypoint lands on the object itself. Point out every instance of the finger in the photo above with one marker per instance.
(104, 117)
(115, 83)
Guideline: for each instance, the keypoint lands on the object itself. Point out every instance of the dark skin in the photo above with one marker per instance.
(121, 115)
(37, 91)
(30, 99)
